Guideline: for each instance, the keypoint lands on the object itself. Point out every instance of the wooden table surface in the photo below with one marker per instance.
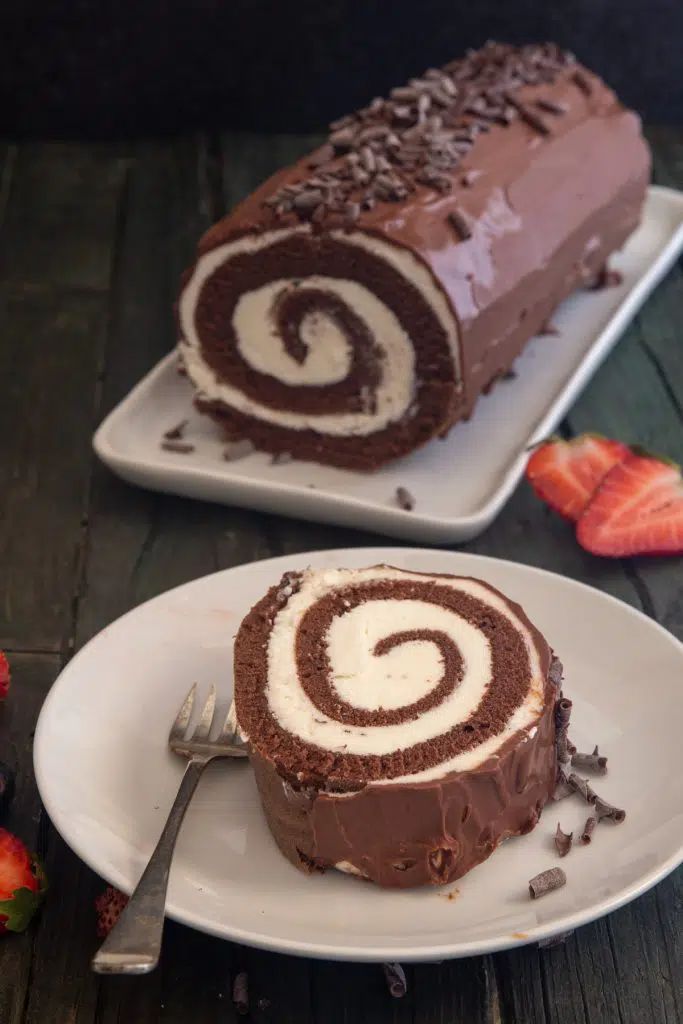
(92, 241)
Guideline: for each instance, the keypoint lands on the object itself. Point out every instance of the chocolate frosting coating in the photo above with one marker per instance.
(529, 215)
(329, 809)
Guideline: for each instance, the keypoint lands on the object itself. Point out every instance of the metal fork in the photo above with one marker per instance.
(134, 945)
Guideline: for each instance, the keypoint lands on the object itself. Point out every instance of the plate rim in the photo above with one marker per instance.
(321, 506)
(328, 951)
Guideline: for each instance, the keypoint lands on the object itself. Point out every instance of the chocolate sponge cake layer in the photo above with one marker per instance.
(359, 302)
(400, 725)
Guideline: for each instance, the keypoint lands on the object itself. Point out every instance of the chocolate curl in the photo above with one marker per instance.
(240, 993)
(175, 433)
(563, 711)
(404, 499)
(563, 841)
(591, 822)
(581, 786)
(396, 980)
(546, 881)
(180, 447)
(590, 762)
(605, 810)
(562, 787)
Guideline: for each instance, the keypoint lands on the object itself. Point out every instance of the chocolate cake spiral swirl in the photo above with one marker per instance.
(365, 690)
(357, 304)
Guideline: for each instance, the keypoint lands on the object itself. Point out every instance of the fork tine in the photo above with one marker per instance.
(179, 727)
(204, 728)
(229, 725)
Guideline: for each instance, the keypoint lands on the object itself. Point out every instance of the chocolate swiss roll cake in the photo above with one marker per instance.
(358, 303)
(400, 725)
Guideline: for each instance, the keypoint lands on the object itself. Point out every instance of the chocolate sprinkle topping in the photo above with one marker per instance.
(546, 881)
(404, 499)
(590, 762)
(581, 786)
(562, 787)
(175, 433)
(396, 980)
(605, 810)
(563, 841)
(181, 447)
(591, 822)
(420, 134)
(458, 221)
(584, 85)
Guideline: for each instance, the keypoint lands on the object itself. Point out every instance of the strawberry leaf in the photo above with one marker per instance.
(16, 912)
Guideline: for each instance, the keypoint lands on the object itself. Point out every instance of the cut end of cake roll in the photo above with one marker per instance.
(400, 725)
(357, 304)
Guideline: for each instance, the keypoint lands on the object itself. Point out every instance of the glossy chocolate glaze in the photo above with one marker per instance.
(545, 210)
(410, 834)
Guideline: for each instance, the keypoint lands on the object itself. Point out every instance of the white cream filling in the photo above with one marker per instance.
(328, 356)
(397, 678)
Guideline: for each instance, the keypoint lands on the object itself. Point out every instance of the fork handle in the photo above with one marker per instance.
(134, 944)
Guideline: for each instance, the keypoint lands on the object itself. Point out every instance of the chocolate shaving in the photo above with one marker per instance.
(458, 221)
(547, 329)
(591, 822)
(175, 433)
(563, 841)
(581, 786)
(180, 447)
(510, 375)
(563, 710)
(396, 980)
(404, 499)
(606, 279)
(546, 881)
(528, 115)
(238, 450)
(469, 177)
(555, 671)
(562, 746)
(605, 810)
(240, 993)
(582, 82)
(551, 106)
(562, 787)
(590, 762)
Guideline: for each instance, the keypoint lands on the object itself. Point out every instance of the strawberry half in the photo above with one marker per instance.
(4, 676)
(22, 884)
(565, 474)
(637, 510)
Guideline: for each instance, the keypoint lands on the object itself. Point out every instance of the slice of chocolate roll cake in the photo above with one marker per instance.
(358, 303)
(400, 725)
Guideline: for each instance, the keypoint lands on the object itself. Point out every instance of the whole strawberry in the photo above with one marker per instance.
(22, 884)
(4, 676)
(109, 906)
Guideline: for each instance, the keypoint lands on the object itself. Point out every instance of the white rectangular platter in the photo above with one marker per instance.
(459, 484)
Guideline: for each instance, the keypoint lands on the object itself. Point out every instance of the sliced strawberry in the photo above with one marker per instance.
(22, 884)
(4, 676)
(109, 905)
(566, 473)
(637, 510)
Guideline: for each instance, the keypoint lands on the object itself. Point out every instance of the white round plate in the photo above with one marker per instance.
(107, 779)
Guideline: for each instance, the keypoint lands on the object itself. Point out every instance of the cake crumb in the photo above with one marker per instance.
(520, 935)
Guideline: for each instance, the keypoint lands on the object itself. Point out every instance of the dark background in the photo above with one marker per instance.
(97, 69)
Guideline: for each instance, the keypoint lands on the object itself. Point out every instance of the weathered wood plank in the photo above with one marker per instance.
(142, 543)
(61, 216)
(49, 362)
(32, 677)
